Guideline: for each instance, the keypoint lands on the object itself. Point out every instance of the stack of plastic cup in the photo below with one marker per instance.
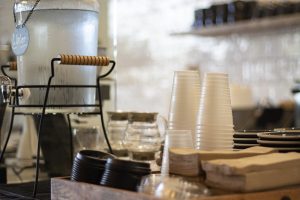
(175, 139)
(214, 128)
(185, 101)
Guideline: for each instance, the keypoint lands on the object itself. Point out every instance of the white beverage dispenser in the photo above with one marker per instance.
(46, 29)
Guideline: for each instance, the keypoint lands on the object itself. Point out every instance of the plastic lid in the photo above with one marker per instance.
(95, 157)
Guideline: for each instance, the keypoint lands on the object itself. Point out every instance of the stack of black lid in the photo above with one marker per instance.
(124, 174)
(98, 167)
(88, 166)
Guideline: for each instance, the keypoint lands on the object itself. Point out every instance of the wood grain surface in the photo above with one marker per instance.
(63, 189)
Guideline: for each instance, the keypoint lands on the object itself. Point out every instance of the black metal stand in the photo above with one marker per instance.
(15, 104)
(12, 113)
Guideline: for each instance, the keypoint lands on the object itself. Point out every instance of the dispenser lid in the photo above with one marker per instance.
(91, 5)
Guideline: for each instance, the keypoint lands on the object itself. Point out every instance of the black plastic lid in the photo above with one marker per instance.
(129, 163)
(127, 166)
(93, 157)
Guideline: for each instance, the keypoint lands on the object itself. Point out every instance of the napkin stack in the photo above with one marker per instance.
(254, 173)
(187, 162)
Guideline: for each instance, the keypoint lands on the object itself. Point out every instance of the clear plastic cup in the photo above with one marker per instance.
(178, 139)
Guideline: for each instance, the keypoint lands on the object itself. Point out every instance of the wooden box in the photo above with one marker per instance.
(64, 189)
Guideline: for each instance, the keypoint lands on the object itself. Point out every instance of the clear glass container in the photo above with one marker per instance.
(85, 138)
(116, 126)
(58, 27)
(179, 189)
(142, 137)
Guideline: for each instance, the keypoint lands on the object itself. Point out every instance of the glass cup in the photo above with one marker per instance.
(116, 126)
(175, 139)
(85, 138)
(143, 136)
(180, 189)
(149, 183)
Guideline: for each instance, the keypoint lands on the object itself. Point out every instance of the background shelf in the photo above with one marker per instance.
(252, 26)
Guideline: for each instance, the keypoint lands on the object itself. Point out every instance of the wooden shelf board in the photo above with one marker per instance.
(258, 25)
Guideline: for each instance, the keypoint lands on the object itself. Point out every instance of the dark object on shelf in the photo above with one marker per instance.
(198, 18)
(250, 8)
(89, 166)
(284, 8)
(230, 12)
(220, 11)
(240, 10)
(296, 7)
(265, 10)
(124, 174)
(209, 16)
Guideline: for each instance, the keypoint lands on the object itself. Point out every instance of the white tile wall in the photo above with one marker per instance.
(148, 55)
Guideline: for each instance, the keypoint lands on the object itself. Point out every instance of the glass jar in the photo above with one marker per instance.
(116, 126)
(58, 27)
(142, 137)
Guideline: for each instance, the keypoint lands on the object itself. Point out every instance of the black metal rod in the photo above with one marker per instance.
(40, 129)
(81, 113)
(11, 120)
(71, 138)
(100, 106)
(57, 86)
(9, 134)
(102, 119)
(109, 71)
(44, 111)
(55, 105)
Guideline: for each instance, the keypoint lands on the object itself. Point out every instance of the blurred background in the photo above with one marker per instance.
(256, 42)
(262, 63)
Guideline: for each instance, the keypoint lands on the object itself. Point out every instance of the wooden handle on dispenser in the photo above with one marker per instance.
(84, 60)
(13, 66)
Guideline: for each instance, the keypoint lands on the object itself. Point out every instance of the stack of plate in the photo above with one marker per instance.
(245, 139)
(283, 141)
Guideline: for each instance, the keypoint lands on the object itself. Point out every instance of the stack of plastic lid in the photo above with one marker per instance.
(124, 174)
(88, 166)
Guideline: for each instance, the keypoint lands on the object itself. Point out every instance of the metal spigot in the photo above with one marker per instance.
(6, 89)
